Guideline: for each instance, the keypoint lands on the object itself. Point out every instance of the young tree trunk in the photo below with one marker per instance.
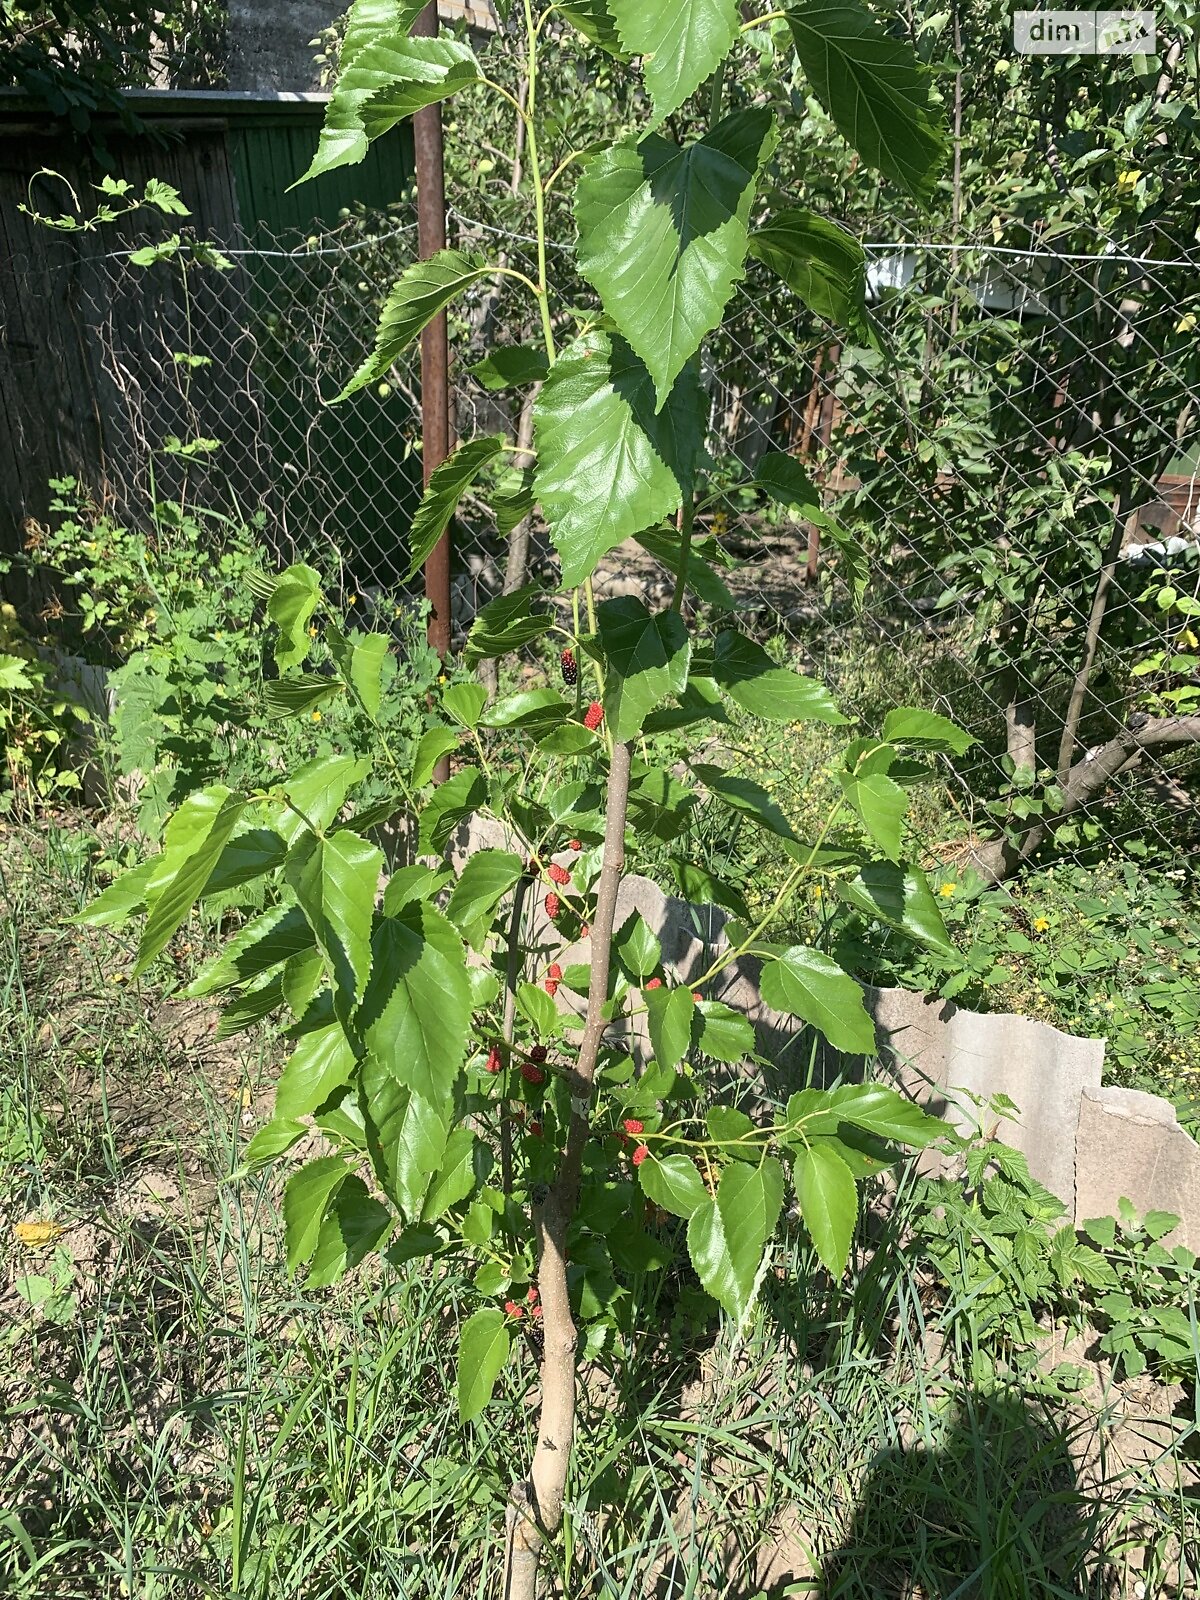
(516, 570)
(535, 1505)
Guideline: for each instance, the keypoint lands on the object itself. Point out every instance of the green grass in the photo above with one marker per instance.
(180, 1419)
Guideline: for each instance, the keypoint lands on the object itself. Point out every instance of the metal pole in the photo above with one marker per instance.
(435, 359)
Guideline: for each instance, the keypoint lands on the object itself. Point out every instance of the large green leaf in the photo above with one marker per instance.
(193, 843)
(316, 792)
(445, 489)
(670, 1019)
(925, 730)
(662, 234)
(120, 900)
(482, 1351)
(360, 659)
(485, 879)
(506, 623)
(681, 41)
(746, 796)
(828, 1199)
(295, 597)
(308, 1194)
(608, 464)
(456, 1177)
(451, 803)
(335, 879)
(594, 20)
(808, 984)
(268, 940)
(875, 89)
(323, 1060)
(899, 895)
(406, 1135)
(511, 366)
(383, 77)
(674, 1184)
(817, 260)
(748, 675)
(354, 1225)
(881, 805)
(726, 1235)
(416, 1011)
(421, 291)
(881, 1110)
(646, 659)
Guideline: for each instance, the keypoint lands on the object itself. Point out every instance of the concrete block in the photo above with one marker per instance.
(1130, 1144)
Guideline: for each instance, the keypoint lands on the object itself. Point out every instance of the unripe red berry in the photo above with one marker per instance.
(593, 716)
(551, 987)
(512, 1309)
(532, 1296)
(576, 844)
(584, 931)
(639, 1155)
(558, 875)
(535, 1129)
(654, 983)
(538, 1053)
(532, 1074)
(570, 668)
(554, 971)
(696, 997)
(494, 1061)
(632, 1125)
(553, 905)
(536, 1312)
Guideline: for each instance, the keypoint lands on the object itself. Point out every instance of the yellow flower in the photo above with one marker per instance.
(442, 677)
(1040, 924)
(817, 891)
(1127, 180)
(947, 889)
(312, 632)
(316, 716)
(353, 600)
(35, 1234)
(1186, 323)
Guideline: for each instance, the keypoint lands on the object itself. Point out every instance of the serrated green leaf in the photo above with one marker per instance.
(421, 291)
(124, 895)
(808, 984)
(925, 730)
(368, 652)
(510, 366)
(726, 1235)
(451, 803)
(682, 43)
(457, 1175)
(335, 879)
(878, 93)
(608, 464)
(595, 22)
(828, 1199)
(646, 659)
(662, 232)
(417, 882)
(671, 1019)
(900, 896)
(416, 1011)
(307, 1196)
(748, 675)
(482, 1351)
(192, 848)
(506, 624)
(820, 262)
(323, 1060)
(267, 941)
(534, 709)
(317, 791)
(295, 597)
(636, 946)
(433, 744)
(674, 1184)
(485, 879)
(725, 1034)
(465, 702)
(273, 1140)
(882, 1111)
(881, 805)
(297, 697)
(447, 485)
(746, 796)
(384, 76)
(354, 1225)
(406, 1136)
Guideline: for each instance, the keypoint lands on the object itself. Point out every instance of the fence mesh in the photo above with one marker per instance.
(1014, 442)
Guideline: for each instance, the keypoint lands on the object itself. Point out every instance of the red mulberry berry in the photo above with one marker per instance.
(532, 1074)
(584, 931)
(532, 1296)
(538, 1053)
(536, 1312)
(696, 997)
(553, 905)
(632, 1125)
(551, 987)
(494, 1061)
(554, 971)
(535, 1128)
(593, 716)
(570, 668)
(639, 1155)
(654, 983)
(576, 844)
(558, 875)
(511, 1308)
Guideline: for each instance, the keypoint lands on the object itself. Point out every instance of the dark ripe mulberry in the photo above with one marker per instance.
(570, 668)
(538, 1053)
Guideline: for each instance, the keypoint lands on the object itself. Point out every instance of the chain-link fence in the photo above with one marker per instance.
(1012, 437)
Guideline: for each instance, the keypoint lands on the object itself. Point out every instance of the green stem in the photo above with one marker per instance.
(687, 521)
(535, 175)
